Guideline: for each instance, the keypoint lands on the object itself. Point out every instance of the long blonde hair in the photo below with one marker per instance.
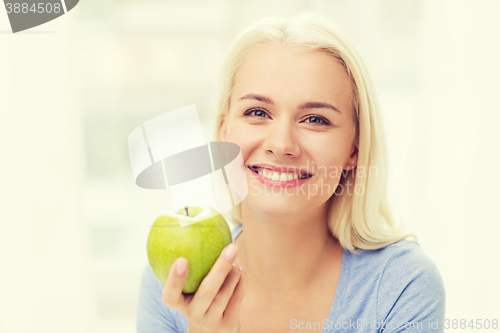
(358, 221)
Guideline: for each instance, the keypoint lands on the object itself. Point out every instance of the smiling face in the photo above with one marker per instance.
(294, 110)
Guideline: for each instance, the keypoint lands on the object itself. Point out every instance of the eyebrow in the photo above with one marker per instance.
(307, 105)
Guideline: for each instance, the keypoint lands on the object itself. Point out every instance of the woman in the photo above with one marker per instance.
(315, 247)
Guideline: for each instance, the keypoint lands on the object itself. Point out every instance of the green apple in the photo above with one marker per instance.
(198, 234)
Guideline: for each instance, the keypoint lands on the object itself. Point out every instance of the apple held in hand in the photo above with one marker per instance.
(200, 242)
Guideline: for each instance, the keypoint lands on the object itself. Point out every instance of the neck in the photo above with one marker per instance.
(282, 256)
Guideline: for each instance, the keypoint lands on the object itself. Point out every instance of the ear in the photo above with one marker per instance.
(352, 162)
(223, 130)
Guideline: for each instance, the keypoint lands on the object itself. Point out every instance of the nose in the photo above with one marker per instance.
(282, 141)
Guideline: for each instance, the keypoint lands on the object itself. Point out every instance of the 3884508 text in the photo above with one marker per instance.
(471, 324)
(449, 324)
(38, 8)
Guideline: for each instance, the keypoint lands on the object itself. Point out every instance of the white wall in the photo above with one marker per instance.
(45, 285)
(459, 162)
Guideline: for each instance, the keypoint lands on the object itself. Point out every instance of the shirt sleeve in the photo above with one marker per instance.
(411, 295)
(152, 315)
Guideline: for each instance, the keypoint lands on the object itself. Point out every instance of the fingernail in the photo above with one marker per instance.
(236, 265)
(241, 269)
(181, 266)
(230, 253)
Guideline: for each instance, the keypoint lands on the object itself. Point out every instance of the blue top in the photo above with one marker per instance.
(378, 291)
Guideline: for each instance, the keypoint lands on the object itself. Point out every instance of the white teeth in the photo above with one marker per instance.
(276, 176)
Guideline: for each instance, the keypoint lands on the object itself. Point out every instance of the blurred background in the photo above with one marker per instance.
(75, 225)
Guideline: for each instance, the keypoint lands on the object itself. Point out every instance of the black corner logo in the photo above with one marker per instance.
(26, 14)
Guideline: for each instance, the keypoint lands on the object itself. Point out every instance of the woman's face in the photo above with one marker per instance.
(291, 110)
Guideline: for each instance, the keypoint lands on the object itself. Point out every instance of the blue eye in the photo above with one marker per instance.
(257, 112)
(318, 120)
(314, 119)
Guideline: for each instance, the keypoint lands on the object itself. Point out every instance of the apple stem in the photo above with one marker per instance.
(186, 208)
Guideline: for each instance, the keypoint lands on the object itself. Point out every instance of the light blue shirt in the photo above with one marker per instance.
(394, 289)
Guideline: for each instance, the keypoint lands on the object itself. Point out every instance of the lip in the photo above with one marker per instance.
(279, 169)
(276, 183)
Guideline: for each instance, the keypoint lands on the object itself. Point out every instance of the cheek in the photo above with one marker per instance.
(244, 137)
(329, 156)
(243, 133)
(329, 170)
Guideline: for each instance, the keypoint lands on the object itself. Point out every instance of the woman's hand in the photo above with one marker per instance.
(215, 307)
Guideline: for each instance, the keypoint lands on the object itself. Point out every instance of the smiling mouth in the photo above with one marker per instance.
(256, 170)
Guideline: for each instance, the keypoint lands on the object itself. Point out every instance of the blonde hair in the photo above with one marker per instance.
(358, 221)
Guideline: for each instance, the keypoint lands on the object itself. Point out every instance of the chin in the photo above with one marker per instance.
(275, 205)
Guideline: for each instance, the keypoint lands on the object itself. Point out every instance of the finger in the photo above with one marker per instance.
(212, 283)
(232, 312)
(226, 291)
(172, 292)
